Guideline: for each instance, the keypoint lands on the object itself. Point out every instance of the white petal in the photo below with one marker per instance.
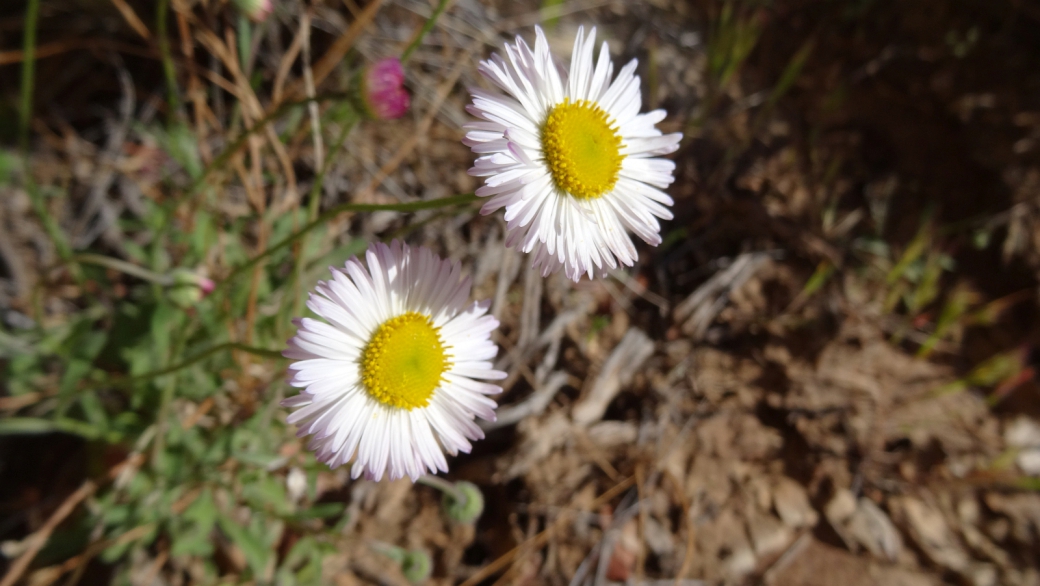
(345, 422)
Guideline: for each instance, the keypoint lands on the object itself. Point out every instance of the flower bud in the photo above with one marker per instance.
(256, 10)
(186, 287)
(383, 96)
(467, 506)
(416, 566)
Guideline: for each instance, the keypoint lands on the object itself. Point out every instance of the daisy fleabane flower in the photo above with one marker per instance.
(569, 156)
(391, 375)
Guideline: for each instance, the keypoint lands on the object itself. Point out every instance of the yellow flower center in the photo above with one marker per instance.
(404, 361)
(582, 149)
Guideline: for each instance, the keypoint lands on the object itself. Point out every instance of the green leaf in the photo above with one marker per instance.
(306, 555)
(94, 410)
(204, 235)
(164, 323)
(191, 544)
(253, 548)
(81, 347)
(193, 536)
(267, 493)
(819, 278)
(318, 511)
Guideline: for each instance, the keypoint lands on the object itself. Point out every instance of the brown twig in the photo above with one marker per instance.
(37, 540)
(541, 538)
(131, 19)
(641, 522)
(16, 402)
(409, 145)
(690, 543)
(334, 55)
(50, 574)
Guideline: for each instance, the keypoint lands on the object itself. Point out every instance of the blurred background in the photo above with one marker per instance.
(824, 375)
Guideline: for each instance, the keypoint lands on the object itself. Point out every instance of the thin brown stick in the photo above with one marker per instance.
(421, 129)
(308, 87)
(49, 575)
(48, 50)
(37, 540)
(131, 19)
(16, 402)
(153, 572)
(540, 540)
(195, 92)
(690, 543)
(334, 55)
(641, 523)
(285, 65)
(64, 46)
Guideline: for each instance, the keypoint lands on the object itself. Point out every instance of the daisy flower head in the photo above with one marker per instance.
(392, 374)
(570, 157)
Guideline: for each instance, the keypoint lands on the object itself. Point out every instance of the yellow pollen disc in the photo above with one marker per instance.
(403, 363)
(582, 149)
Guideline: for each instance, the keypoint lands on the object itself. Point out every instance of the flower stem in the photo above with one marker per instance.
(427, 27)
(413, 206)
(442, 485)
(123, 267)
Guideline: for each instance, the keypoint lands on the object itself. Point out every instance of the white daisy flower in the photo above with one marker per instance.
(391, 377)
(569, 156)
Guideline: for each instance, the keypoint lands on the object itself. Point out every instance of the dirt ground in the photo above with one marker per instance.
(824, 375)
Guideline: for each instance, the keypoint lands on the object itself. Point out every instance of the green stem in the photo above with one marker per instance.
(314, 204)
(245, 40)
(124, 267)
(442, 485)
(389, 550)
(220, 161)
(35, 426)
(427, 27)
(132, 380)
(414, 206)
(54, 231)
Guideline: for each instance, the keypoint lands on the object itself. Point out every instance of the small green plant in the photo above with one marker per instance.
(167, 375)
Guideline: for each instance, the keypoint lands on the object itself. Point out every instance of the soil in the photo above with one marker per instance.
(752, 403)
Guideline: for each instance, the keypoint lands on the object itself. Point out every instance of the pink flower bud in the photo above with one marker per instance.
(188, 287)
(206, 285)
(257, 10)
(382, 90)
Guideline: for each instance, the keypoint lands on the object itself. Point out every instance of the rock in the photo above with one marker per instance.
(769, 536)
(659, 539)
(617, 372)
(928, 529)
(1023, 512)
(871, 528)
(726, 538)
(841, 506)
(1028, 461)
(1023, 432)
(982, 575)
(792, 504)
(625, 552)
(968, 510)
